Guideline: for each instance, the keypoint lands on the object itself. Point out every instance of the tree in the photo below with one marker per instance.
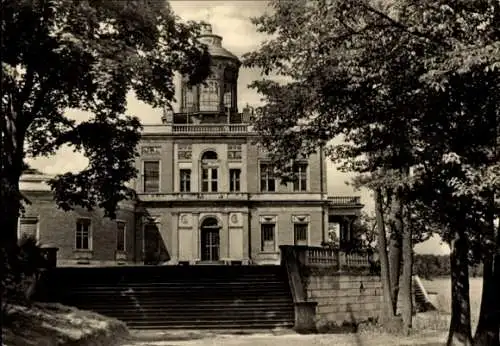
(87, 55)
(349, 80)
(466, 77)
(377, 74)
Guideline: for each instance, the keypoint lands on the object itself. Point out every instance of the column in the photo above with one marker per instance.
(175, 238)
(196, 237)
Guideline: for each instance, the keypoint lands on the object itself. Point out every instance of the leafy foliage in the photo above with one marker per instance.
(404, 93)
(88, 55)
(20, 272)
(386, 79)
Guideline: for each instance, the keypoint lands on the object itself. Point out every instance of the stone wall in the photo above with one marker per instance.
(343, 298)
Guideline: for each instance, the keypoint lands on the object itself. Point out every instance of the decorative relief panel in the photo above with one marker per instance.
(185, 220)
(300, 218)
(184, 152)
(234, 152)
(152, 149)
(236, 220)
(268, 219)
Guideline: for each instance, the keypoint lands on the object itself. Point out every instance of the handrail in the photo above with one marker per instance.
(291, 262)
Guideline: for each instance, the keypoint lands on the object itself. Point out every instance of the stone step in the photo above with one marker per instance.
(229, 294)
(180, 287)
(200, 315)
(214, 326)
(283, 307)
(184, 304)
(211, 324)
(208, 297)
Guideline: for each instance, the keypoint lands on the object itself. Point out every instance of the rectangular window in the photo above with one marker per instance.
(28, 227)
(83, 235)
(209, 180)
(234, 180)
(151, 176)
(228, 96)
(300, 233)
(120, 235)
(268, 237)
(300, 183)
(209, 96)
(189, 100)
(234, 152)
(185, 175)
(267, 179)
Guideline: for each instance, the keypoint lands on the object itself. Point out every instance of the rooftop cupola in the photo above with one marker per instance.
(215, 100)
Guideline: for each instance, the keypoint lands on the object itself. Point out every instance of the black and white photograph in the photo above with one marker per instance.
(250, 173)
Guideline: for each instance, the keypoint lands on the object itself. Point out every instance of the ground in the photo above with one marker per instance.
(431, 329)
(270, 339)
(57, 325)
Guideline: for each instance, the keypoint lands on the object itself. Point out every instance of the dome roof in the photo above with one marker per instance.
(214, 43)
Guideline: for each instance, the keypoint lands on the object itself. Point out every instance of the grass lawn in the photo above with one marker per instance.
(442, 287)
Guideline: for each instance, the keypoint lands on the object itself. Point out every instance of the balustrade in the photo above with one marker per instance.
(210, 128)
(328, 258)
(344, 200)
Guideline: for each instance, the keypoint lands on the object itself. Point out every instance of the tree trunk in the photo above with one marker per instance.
(460, 324)
(386, 311)
(11, 160)
(396, 229)
(487, 331)
(395, 266)
(406, 280)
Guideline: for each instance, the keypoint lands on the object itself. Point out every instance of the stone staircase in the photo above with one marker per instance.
(421, 300)
(182, 297)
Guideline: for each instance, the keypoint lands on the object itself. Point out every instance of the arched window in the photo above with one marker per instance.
(209, 172)
(209, 155)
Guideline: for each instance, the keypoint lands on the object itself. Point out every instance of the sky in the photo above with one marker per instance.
(231, 20)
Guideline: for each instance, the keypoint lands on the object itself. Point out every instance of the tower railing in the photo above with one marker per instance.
(197, 129)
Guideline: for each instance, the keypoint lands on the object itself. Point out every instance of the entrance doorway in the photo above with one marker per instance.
(152, 244)
(210, 240)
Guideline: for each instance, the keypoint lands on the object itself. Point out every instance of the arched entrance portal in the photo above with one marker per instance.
(210, 240)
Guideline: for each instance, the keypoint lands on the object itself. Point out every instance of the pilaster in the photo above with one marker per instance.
(224, 237)
(196, 237)
(174, 258)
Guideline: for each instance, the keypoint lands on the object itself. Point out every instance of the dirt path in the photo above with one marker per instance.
(193, 338)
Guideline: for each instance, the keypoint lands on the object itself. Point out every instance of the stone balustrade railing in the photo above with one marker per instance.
(197, 129)
(324, 257)
(344, 200)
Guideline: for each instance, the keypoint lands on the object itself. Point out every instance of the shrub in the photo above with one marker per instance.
(21, 271)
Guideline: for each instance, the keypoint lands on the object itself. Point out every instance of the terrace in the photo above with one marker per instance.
(335, 201)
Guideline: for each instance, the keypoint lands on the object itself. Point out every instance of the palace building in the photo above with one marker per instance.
(205, 193)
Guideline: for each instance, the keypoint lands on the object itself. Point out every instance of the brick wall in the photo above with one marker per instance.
(57, 227)
(344, 298)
